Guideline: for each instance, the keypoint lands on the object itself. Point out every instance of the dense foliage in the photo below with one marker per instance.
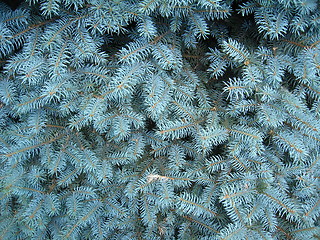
(160, 119)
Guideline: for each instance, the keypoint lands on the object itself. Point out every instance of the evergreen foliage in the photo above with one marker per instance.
(160, 119)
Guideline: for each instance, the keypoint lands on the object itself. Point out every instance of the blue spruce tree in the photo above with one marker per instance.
(160, 119)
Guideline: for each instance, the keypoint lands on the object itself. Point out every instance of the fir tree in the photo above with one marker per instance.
(160, 119)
